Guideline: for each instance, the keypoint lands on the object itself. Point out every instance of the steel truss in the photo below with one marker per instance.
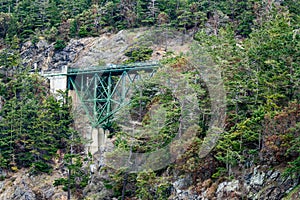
(104, 91)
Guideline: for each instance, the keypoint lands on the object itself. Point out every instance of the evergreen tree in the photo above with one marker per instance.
(34, 125)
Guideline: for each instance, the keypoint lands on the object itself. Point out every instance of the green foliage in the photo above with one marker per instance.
(261, 77)
(61, 181)
(294, 166)
(273, 59)
(189, 163)
(40, 166)
(73, 28)
(280, 132)
(118, 179)
(90, 18)
(51, 34)
(142, 185)
(5, 22)
(221, 171)
(137, 54)
(10, 57)
(34, 124)
(59, 45)
(158, 111)
(83, 31)
(294, 149)
(78, 178)
(149, 186)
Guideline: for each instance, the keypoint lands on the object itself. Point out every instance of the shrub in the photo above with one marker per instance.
(137, 54)
(59, 45)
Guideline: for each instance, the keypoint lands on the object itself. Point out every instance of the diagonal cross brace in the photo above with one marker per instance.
(103, 93)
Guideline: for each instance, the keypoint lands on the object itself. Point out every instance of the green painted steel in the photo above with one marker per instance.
(104, 90)
(114, 69)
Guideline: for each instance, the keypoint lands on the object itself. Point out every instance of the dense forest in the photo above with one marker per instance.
(62, 20)
(256, 44)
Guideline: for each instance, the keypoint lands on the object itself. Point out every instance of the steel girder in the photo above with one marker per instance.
(104, 92)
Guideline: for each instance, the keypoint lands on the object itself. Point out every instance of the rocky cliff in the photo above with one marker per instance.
(24, 186)
(107, 48)
(256, 183)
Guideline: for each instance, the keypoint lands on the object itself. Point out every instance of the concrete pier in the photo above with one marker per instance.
(98, 139)
(96, 136)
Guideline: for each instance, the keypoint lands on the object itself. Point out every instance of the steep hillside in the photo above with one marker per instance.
(220, 118)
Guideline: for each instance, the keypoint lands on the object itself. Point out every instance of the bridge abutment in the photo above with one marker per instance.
(58, 83)
(58, 79)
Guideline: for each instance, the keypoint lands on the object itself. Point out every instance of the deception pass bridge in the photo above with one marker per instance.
(101, 91)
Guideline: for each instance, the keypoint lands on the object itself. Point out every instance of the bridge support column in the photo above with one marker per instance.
(58, 82)
(98, 137)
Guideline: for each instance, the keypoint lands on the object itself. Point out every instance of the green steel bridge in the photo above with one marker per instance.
(103, 90)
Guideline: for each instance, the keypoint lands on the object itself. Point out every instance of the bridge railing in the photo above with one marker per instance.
(55, 72)
(65, 70)
(114, 68)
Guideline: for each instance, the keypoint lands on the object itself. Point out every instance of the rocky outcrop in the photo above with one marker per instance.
(271, 184)
(97, 189)
(107, 48)
(23, 186)
(258, 184)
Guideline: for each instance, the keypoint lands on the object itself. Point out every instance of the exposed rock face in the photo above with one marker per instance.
(269, 185)
(226, 189)
(256, 185)
(107, 48)
(23, 186)
(96, 188)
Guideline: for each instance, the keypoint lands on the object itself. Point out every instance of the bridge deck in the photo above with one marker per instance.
(109, 68)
